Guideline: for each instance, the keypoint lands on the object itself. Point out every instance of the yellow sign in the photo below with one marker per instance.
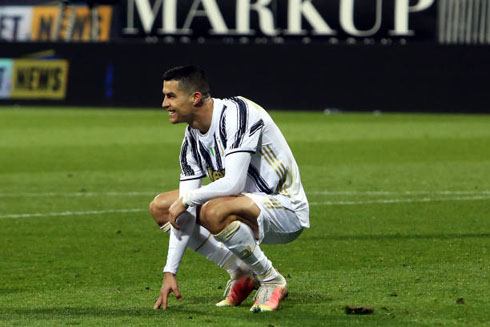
(44, 22)
(39, 79)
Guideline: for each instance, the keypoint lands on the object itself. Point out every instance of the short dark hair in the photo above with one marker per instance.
(191, 78)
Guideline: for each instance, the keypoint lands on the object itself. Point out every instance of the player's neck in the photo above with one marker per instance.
(204, 116)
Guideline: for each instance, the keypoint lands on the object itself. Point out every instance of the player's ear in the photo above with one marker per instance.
(197, 98)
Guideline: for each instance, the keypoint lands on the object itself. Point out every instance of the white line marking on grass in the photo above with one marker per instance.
(328, 203)
(71, 213)
(388, 201)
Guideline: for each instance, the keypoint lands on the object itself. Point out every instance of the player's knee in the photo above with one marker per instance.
(211, 216)
(159, 208)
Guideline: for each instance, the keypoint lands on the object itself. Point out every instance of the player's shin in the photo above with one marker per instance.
(239, 239)
(203, 243)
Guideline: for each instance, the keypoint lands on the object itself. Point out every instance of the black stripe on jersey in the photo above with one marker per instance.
(258, 180)
(193, 143)
(255, 127)
(206, 156)
(222, 127)
(231, 152)
(186, 168)
(193, 178)
(242, 121)
(218, 155)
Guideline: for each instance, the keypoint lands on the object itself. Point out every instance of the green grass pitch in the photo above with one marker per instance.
(400, 215)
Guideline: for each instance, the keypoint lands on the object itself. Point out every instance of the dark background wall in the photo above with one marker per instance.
(414, 77)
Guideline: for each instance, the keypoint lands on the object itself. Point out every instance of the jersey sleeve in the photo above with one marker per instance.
(190, 162)
(243, 127)
(232, 184)
(179, 239)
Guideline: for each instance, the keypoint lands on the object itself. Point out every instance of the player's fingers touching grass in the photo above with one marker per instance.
(169, 285)
(162, 301)
(158, 303)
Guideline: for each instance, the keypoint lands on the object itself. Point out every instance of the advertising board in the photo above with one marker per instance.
(39, 79)
(333, 20)
(5, 77)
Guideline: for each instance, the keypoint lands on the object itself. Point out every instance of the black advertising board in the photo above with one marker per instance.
(354, 55)
(332, 21)
(412, 77)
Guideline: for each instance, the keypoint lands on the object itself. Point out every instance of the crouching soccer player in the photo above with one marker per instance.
(255, 197)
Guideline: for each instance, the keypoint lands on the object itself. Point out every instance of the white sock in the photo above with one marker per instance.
(203, 243)
(239, 239)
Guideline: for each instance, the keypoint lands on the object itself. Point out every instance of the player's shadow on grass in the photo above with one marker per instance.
(95, 312)
(399, 237)
(288, 308)
(4, 291)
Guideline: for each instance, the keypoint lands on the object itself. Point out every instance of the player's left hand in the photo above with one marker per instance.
(175, 210)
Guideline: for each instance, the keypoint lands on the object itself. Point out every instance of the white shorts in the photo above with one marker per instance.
(278, 223)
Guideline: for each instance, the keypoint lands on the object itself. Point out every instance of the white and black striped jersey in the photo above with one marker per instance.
(240, 125)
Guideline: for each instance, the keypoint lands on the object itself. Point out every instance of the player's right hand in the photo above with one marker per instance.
(175, 210)
(169, 285)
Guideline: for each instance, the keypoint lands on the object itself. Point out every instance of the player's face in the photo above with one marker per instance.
(178, 103)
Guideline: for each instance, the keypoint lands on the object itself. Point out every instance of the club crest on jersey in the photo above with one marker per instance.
(215, 175)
